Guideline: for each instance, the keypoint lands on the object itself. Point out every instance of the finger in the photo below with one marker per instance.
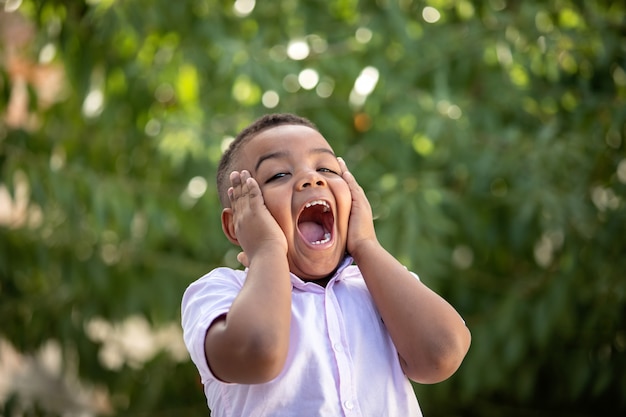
(240, 189)
(245, 189)
(235, 178)
(347, 175)
(254, 191)
(246, 180)
(345, 172)
(235, 184)
(342, 165)
(242, 258)
(231, 196)
(234, 191)
(244, 176)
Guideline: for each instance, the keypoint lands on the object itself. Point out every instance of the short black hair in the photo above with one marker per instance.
(226, 165)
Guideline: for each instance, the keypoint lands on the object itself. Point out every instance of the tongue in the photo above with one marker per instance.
(311, 231)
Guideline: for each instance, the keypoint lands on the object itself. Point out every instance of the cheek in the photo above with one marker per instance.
(280, 209)
(344, 200)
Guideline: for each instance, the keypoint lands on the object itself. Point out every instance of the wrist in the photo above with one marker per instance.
(364, 249)
(273, 253)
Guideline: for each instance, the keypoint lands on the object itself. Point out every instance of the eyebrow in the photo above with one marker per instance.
(284, 154)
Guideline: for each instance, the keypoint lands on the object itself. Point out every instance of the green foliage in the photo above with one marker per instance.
(492, 150)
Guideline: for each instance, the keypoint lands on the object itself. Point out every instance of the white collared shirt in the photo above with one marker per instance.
(341, 359)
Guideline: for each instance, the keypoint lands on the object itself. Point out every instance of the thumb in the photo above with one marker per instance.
(243, 259)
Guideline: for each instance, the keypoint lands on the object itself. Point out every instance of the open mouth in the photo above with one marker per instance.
(316, 221)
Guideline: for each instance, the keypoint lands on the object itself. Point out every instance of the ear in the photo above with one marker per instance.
(228, 225)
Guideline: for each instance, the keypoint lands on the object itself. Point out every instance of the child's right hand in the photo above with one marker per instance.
(255, 227)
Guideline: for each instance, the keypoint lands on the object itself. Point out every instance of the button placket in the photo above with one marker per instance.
(343, 360)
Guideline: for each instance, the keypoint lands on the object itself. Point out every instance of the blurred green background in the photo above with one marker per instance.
(489, 136)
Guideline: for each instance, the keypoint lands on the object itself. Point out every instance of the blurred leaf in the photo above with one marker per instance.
(495, 133)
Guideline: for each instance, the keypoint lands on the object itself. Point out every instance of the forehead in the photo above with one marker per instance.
(284, 139)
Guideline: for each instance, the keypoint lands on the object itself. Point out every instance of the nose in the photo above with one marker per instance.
(311, 179)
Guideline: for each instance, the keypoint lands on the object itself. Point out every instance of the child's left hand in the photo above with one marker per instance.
(361, 224)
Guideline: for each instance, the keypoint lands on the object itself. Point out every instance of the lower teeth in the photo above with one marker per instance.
(326, 239)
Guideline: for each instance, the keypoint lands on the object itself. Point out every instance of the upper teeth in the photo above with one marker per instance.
(318, 202)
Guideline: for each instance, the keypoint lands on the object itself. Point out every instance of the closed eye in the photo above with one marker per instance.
(276, 177)
(328, 170)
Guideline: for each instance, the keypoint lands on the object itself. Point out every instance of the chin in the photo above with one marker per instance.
(316, 271)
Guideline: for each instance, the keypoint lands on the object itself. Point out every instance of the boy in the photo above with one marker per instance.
(303, 331)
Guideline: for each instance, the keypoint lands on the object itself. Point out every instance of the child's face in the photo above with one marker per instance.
(303, 189)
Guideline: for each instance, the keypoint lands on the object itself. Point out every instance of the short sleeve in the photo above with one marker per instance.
(203, 301)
